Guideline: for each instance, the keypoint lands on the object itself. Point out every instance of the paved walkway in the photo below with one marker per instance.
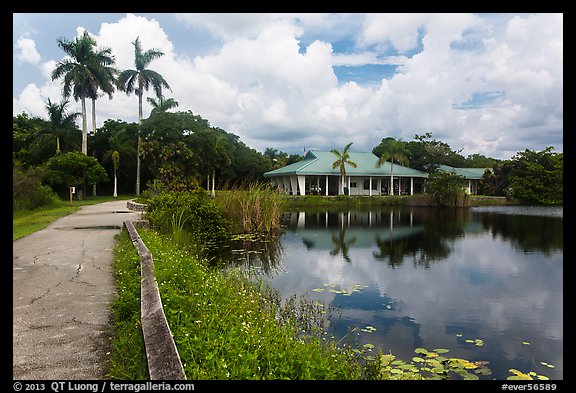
(62, 286)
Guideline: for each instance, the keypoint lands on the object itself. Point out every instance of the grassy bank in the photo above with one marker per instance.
(224, 325)
(25, 222)
(308, 201)
(128, 357)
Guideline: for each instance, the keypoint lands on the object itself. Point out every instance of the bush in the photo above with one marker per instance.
(27, 191)
(448, 188)
(190, 211)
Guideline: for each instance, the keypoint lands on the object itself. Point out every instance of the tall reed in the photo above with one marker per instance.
(256, 209)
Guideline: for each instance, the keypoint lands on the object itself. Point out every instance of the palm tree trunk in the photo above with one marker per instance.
(213, 181)
(139, 143)
(84, 128)
(115, 185)
(94, 131)
(94, 116)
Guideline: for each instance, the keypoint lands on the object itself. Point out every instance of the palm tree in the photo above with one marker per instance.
(343, 158)
(62, 124)
(103, 77)
(78, 74)
(162, 104)
(137, 81)
(394, 150)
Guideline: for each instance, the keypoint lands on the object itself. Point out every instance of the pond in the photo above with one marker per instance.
(484, 282)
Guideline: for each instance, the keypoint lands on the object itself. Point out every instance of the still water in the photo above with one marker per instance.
(485, 283)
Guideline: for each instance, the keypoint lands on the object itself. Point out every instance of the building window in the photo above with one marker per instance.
(366, 184)
(352, 184)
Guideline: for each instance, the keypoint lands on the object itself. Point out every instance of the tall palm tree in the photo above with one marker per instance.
(62, 123)
(78, 75)
(342, 159)
(162, 104)
(138, 80)
(103, 77)
(394, 150)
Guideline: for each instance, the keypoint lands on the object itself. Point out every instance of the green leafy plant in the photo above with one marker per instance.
(190, 211)
(448, 188)
(433, 364)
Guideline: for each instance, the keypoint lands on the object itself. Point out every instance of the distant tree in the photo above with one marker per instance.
(537, 177)
(84, 71)
(343, 158)
(495, 181)
(162, 104)
(74, 169)
(24, 132)
(62, 124)
(426, 153)
(448, 188)
(393, 150)
(479, 161)
(138, 80)
(117, 135)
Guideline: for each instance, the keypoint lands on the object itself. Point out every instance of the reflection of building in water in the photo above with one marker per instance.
(348, 219)
(357, 229)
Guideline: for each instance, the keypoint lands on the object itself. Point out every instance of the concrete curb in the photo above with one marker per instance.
(139, 207)
(163, 359)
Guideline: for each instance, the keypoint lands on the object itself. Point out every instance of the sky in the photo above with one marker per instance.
(489, 84)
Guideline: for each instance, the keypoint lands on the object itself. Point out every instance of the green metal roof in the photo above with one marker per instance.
(320, 163)
(468, 173)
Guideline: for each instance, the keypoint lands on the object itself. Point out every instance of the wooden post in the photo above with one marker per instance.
(71, 192)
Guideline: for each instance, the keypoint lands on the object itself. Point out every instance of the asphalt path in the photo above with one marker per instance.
(62, 288)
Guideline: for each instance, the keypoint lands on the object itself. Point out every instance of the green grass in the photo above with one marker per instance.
(25, 222)
(224, 325)
(128, 357)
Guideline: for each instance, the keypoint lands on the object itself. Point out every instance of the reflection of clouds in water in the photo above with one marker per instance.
(545, 211)
(485, 290)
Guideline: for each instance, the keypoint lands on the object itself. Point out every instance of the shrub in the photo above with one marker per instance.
(448, 188)
(27, 191)
(190, 211)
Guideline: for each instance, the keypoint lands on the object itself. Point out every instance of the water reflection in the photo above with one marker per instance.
(434, 278)
(418, 235)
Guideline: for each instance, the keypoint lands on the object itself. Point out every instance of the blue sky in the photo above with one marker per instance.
(485, 83)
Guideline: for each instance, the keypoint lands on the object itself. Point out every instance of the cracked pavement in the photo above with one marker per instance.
(62, 287)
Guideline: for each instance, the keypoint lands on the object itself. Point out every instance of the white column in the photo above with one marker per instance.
(302, 184)
(294, 185)
(326, 189)
(370, 193)
(349, 185)
(411, 186)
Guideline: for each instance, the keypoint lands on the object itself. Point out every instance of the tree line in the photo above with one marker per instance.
(181, 150)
